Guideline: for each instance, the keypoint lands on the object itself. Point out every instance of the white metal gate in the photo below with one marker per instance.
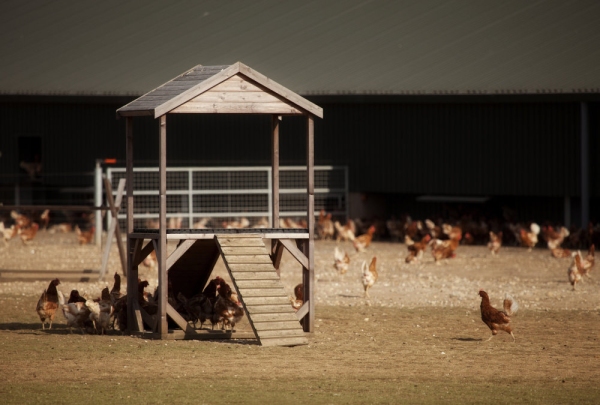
(214, 196)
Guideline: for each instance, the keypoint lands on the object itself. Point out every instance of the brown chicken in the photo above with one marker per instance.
(8, 233)
(28, 234)
(576, 270)
(445, 249)
(48, 304)
(416, 249)
(343, 233)
(369, 275)
(298, 299)
(530, 239)
(362, 242)
(341, 260)
(325, 227)
(85, 237)
(75, 297)
(76, 314)
(495, 242)
(498, 320)
(115, 291)
(228, 310)
(22, 221)
(553, 238)
(560, 253)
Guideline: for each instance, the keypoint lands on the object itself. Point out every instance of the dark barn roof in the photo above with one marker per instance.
(359, 47)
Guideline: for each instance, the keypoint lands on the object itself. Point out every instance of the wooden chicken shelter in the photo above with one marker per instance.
(252, 264)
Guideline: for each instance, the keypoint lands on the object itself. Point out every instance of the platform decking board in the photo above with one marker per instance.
(261, 292)
(241, 242)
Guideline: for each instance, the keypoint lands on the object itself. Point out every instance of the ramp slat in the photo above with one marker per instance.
(248, 259)
(284, 341)
(262, 275)
(265, 300)
(260, 326)
(269, 309)
(261, 292)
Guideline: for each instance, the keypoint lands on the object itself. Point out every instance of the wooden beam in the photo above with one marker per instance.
(308, 273)
(280, 90)
(129, 172)
(181, 249)
(275, 170)
(178, 319)
(134, 323)
(236, 108)
(143, 253)
(276, 255)
(162, 239)
(303, 310)
(298, 255)
(114, 210)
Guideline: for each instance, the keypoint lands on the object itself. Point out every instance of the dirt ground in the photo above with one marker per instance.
(419, 339)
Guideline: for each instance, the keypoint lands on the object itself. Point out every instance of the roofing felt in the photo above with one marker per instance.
(200, 79)
(110, 47)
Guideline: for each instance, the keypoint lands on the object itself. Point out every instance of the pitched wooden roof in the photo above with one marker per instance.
(221, 89)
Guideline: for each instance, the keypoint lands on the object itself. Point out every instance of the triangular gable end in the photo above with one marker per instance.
(238, 95)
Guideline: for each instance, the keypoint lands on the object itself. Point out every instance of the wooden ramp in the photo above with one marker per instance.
(265, 300)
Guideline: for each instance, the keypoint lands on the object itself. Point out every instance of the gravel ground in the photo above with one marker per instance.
(535, 279)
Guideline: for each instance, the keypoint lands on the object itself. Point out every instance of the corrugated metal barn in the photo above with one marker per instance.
(435, 106)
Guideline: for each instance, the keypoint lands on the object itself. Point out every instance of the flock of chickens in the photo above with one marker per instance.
(217, 303)
(26, 227)
(443, 241)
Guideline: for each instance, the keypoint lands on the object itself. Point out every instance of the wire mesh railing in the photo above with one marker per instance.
(216, 197)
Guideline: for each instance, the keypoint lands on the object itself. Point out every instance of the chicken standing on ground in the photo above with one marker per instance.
(8, 233)
(75, 312)
(415, 249)
(343, 233)
(100, 313)
(48, 304)
(228, 309)
(498, 320)
(298, 300)
(28, 234)
(325, 227)
(530, 239)
(363, 241)
(369, 275)
(85, 237)
(341, 260)
(115, 292)
(575, 271)
(444, 249)
(495, 242)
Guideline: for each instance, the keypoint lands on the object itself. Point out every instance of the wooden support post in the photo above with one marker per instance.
(308, 274)
(162, 238)
(131, 244)
(134, 323)
(275, 170)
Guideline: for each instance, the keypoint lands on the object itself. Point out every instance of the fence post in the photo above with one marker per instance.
(98, 201)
